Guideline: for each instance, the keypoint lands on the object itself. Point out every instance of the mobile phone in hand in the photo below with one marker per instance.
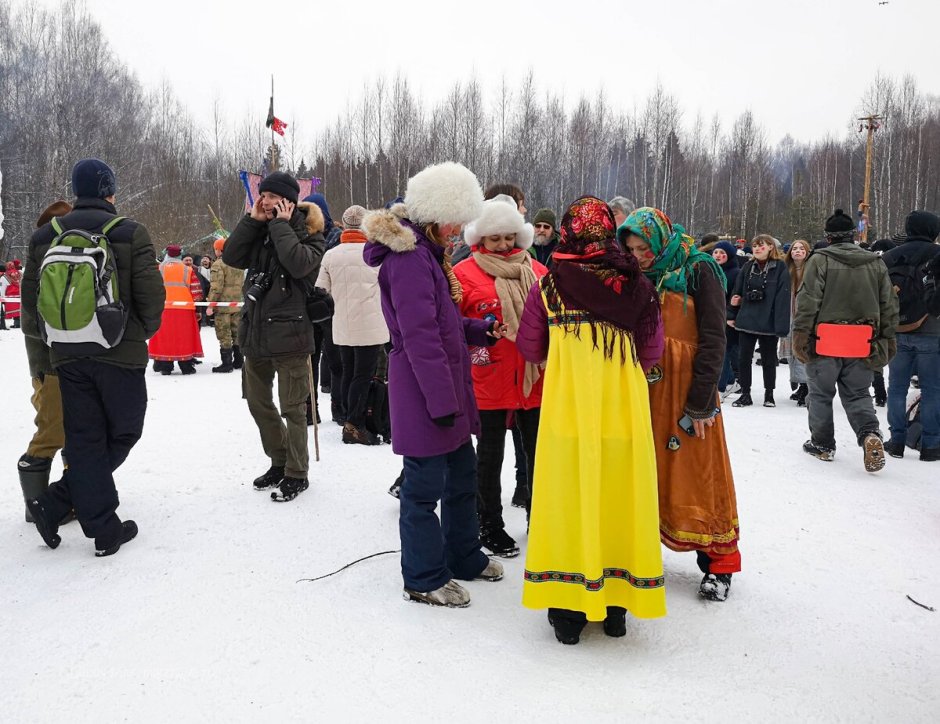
(685, 422)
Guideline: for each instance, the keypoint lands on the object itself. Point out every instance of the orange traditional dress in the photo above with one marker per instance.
(178, 337)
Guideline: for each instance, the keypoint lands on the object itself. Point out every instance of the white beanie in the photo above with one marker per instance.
(499, 217)
(446, 193)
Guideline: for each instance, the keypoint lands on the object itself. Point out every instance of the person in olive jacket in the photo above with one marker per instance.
(281, 244)
(760, 312)
(104, 397)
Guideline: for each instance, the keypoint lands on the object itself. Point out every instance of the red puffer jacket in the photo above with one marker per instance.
(498, 371)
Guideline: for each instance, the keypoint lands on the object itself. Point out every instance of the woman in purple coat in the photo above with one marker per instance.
(431, 400)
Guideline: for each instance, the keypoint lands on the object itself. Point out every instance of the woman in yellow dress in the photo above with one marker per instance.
(593, 548)
(697, 505)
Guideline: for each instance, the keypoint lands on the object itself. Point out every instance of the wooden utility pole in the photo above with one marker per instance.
(870, 123)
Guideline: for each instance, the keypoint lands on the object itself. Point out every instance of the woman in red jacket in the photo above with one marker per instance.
(496, 280)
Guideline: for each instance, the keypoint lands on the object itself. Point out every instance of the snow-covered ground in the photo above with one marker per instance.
(202, 617)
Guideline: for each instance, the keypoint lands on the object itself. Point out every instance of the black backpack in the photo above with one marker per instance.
(908, 281)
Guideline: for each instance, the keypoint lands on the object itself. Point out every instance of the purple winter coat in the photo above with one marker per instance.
(429, 365)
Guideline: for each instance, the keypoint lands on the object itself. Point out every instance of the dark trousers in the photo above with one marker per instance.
(103, 408)
(527, 425)
(491, 448)
(768, 359)
(359, 365)
(435, 551)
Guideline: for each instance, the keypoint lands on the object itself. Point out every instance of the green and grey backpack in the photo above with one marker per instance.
(79, 303)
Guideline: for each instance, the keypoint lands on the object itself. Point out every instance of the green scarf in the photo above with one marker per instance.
(676, 255)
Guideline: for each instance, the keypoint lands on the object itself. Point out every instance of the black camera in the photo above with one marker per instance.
(260, 283)
(755, 295)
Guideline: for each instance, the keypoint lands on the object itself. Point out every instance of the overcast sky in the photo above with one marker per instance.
(800, 65)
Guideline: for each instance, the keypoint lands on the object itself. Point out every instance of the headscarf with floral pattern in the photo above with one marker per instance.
(675, 253)
(592, 278)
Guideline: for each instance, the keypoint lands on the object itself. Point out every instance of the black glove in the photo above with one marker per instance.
(446, 421)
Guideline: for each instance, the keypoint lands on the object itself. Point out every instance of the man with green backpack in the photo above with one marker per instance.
(92, 292)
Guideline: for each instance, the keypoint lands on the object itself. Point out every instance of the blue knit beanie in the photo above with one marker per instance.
(93, 179)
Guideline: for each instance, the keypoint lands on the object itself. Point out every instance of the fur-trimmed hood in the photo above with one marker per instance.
(500, 217)
(384, 227)
(315, 222)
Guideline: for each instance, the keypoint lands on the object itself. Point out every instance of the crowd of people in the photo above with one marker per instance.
(604, 344)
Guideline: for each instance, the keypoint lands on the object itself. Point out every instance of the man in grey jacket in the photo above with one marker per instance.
(281, 244)
(844, 284)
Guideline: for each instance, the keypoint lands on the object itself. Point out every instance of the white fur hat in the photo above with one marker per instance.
(446, 193)
(499, 217)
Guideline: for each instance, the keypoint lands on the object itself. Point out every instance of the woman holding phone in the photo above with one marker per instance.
(697, 505)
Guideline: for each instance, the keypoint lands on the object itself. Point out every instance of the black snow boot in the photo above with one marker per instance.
(395, 490)
(47, 529)
(615, 625)
(270, 479)
(187, 366)
(769, 398)
(163, 367)
(520, 496)
(289, 489)
(108, 545)
(800, 395)
(498, 542)
(34, 478)
(237, 359)
(227, 359)
(743, 401)
(715, 586)
(568, 625)
(881, 394)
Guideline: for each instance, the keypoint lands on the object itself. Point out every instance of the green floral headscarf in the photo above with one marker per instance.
(675, 252)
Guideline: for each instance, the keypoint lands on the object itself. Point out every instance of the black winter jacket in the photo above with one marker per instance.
(277, 324)
(770, 315)
(140, 285)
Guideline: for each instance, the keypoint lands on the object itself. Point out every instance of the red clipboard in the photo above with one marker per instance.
(844, 340)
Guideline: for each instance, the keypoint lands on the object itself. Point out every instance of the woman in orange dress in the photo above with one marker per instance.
(697, 506)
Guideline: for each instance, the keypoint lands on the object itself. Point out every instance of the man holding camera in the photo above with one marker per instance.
(281, 244)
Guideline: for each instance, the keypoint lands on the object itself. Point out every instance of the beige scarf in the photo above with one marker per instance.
(514, 279)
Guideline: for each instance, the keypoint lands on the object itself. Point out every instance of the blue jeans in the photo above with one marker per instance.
(435, 551)
(917, 354)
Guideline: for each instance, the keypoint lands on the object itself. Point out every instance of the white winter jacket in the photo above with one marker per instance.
(358, 320)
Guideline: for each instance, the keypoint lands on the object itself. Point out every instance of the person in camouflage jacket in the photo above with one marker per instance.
(225, 285)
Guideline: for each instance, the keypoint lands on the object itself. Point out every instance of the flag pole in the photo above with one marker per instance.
(272, 106)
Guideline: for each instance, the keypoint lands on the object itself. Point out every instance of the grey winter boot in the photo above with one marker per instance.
(227, 359)
(34, 478)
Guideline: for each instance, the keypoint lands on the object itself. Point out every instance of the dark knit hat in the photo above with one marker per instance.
(320, 201)
(545, 216)
(93, 179)
(840, 226)
(56, 208)
(922, 225)
(282, 184)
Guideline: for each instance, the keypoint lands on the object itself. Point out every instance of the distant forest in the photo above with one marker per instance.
(65, 95)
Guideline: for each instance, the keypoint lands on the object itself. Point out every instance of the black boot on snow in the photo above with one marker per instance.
(109, 545)
(226, 365)
(237, 358)
(34, 478)
(47, 529)
(743, 401)
(568, 625)
(715, 586)
(520, 497)
(769, 398)
(270, 479)
(498, 542)
(818, 451)
(800, 395)
(289, 489)
(164, 368)
(187, 366)
(395, 490)
(615, 625)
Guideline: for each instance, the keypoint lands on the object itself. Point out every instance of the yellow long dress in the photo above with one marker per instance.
(594, 531)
